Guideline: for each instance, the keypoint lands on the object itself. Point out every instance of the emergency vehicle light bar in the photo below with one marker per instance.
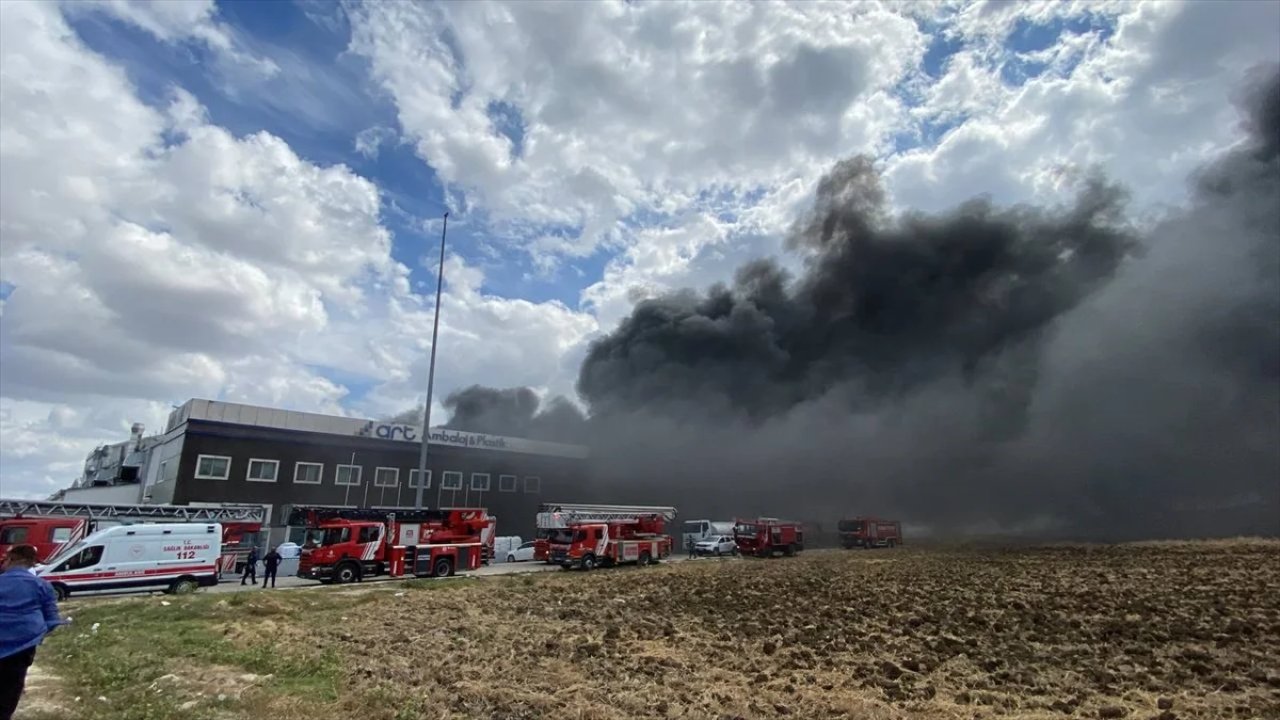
(190, 513)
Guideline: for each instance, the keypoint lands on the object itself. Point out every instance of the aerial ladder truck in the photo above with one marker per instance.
(51, 526)
(590, 536)
(349, 544)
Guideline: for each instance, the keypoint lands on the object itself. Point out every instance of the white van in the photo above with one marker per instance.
(176, 557)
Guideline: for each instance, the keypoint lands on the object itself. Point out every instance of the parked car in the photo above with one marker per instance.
(522, 553)
(718, 545)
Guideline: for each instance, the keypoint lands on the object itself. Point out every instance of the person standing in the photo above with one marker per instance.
(270, 563)
(251, 566)
(28, 612)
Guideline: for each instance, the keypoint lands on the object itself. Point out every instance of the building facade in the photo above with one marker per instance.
(214, 452)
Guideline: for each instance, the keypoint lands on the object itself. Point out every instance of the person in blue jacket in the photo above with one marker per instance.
(28, 612)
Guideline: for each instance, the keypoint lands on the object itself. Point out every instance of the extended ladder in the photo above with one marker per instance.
(93, 511)
(559, 515)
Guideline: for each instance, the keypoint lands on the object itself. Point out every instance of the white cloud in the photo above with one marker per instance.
(1146, 106)
(632, 108)
(155, 256)
(370, 140)
(180, 20)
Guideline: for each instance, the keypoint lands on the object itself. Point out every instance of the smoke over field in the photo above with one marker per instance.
(1049, 370)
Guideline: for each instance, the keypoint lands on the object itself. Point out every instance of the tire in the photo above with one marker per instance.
(645, 559)
(734, 551)
(442, 568)
(183, 586)
(511, 558)
(347, 572)
(61, 592)
(589, 562)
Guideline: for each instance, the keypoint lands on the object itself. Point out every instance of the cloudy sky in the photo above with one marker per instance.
(242, 201)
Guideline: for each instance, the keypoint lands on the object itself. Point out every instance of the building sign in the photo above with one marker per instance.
(464, 439)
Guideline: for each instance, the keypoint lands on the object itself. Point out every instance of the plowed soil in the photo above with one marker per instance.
(1166, 630)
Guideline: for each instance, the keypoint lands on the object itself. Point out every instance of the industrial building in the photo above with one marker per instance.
(217, 452)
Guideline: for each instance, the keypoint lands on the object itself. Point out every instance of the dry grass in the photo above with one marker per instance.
(1056, 632)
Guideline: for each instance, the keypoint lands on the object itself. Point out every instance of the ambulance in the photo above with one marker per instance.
(174, 557)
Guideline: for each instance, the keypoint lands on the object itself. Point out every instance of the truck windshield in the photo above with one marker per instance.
(850, 526)
(562, 537)
(13, 535)
(334, 536)
(745, 530)
(693, 528)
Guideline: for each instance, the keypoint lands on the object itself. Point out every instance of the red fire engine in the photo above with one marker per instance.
(51, 526)
(868, 532)
(346, 545)
(763, 537)
(590, 536)
(554, 517)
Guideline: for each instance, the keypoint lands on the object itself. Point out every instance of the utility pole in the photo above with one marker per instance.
(431, 374)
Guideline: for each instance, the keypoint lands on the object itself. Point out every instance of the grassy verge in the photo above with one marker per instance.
(210, 656)
(197, 657)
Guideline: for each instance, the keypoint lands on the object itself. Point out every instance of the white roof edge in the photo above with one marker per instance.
(252, 415)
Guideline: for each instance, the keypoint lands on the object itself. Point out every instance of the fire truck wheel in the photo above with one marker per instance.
(442, 568)
(645, 559)
(347, 572)
(589, 562)
(61, 592)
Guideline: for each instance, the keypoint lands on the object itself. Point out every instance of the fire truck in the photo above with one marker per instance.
(51, 526)
(763, 537)
(590, 536)
(866, 532)
(346, 545)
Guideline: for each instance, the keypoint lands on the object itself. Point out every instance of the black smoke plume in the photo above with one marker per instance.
(515, 412)
(1051, 371)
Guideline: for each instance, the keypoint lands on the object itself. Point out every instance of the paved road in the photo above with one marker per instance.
(291, 582)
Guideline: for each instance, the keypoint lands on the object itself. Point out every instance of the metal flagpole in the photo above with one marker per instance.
(431, 372)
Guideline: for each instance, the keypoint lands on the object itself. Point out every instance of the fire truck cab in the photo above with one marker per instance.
(591, 536)
(348, 545)
(763, 537)
(866, 532)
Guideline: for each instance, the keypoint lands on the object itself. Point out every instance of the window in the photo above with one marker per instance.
(213, 467)
(413, 479)
(451, 480)
(369, 534)
(262, 470)
(83, 559)
(13, 536)
(305, 473)
(347, 475)
(533, 484)
(335, 536)
(506, 483)
(60, 535)
(480, 482)
(386, 477)
(160, 475)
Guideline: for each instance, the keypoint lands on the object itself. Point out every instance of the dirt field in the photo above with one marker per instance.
(1168, 630)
